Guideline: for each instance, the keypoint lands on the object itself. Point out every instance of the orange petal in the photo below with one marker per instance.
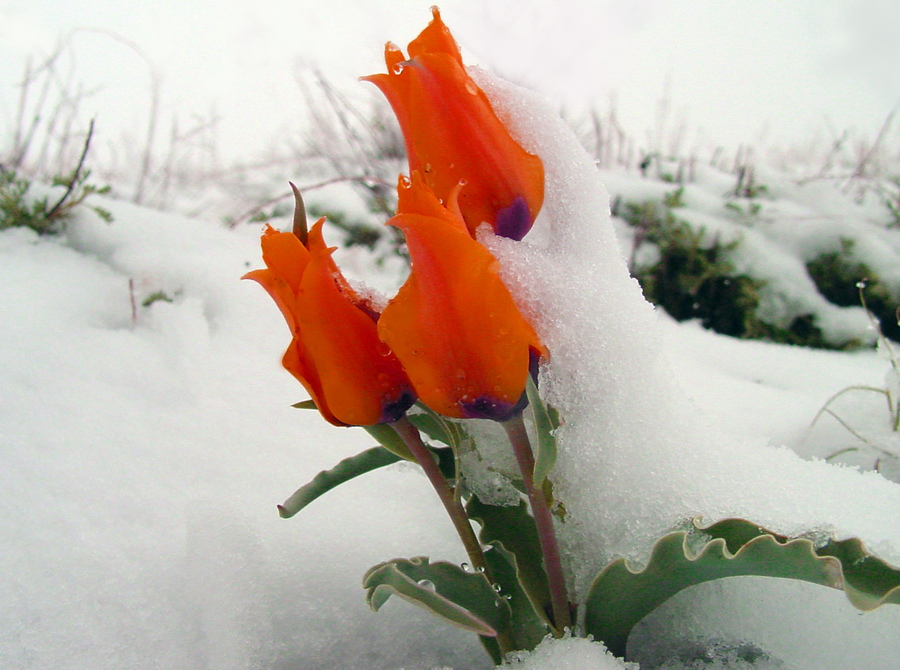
(414, 197)
(436, 38)
(455, 327)
(361, 381)
(335, 352)
(453, 135)
(286, 259)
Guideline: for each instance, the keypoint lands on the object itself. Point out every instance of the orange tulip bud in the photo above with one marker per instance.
(463, 342)
(453, 135)
(352, 376)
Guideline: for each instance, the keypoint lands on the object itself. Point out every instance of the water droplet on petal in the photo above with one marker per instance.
(398, 68)
(471, 87)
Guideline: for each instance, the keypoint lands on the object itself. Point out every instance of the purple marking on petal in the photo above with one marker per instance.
(392, 411)
(514, 221)
(490, 408)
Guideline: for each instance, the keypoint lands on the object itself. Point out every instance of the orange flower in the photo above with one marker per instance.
(351, 375)
(453, 135)
(463, 342)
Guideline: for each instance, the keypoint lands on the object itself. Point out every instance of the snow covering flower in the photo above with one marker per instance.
(352, 376)
(463, 342)
(453, 135)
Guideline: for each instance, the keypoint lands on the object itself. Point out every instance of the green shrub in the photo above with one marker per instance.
(693, 278)
(17, 210)
(840, 277)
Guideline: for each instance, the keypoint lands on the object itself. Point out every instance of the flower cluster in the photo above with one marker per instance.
(454, 341)
(452, 336)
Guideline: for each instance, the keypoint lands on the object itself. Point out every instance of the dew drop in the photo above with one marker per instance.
(398, 68)
(427, 585)
(860, 284)
(466, 567)
(426, 168)
(496, 587)
(471, 87)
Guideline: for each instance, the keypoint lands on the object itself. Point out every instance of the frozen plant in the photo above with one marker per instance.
(453, 359)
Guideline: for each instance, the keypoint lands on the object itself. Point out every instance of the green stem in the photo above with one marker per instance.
(543, 520)
(410, 435)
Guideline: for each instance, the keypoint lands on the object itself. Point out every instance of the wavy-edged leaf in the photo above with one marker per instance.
(868, 581)
(347, 469)
(620, 597)
(513, 529)
(465, 599)
(545, 452)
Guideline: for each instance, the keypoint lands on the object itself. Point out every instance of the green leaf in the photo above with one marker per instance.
(868, 581)
(527, 627)
(438, 427)
(353, 466)
(545, 453)
(388, 438)
(619, 597)
(347, 469)
(513, 529)
(465, 599)
(305, 404)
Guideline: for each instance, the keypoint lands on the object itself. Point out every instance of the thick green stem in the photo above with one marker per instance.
(543, 520)
(453, 505)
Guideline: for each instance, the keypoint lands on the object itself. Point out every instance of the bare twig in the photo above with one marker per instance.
(864, 161)
(76, 174)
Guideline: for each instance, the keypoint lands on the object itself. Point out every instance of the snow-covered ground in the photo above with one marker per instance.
(143, 448)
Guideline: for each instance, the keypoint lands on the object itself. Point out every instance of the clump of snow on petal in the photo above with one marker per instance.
(636, 456)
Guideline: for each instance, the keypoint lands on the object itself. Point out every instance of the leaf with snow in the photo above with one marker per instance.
(620, 597)
(545, 455)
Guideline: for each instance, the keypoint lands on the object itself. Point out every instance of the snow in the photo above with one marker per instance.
(568, 654)
(145, 447)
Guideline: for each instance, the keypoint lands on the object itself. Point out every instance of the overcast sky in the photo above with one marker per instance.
(736, 71)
